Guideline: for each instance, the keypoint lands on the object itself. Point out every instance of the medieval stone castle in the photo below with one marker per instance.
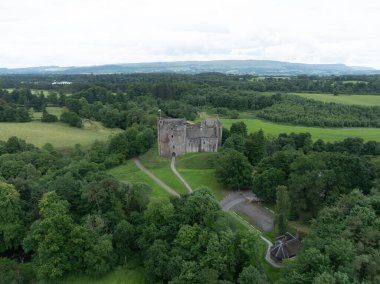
(176, 136)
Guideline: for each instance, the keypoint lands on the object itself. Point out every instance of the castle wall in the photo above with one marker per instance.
(177, 137)
(171, 137)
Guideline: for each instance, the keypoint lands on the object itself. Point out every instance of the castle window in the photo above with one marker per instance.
(172, 136)
(173, 146)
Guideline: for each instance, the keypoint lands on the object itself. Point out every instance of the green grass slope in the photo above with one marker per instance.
(58, 134)
(129, 172)
(160, 167)
(198, 170)
(327, 134)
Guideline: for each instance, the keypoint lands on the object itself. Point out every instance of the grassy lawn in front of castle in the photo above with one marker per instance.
(129, 172)
(160, 167)
(198, 170)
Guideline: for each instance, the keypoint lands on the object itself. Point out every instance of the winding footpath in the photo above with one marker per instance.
(226, 205)
(156, 179)
(178, 175)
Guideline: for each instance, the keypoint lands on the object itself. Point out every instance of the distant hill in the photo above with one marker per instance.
(258, 67)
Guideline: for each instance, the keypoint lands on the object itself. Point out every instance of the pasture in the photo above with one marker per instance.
(60, 135)
(364, 100)
(326, 134)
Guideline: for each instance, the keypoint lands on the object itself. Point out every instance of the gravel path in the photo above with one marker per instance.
(267, 255)
(259, 216)
(156, 179)
(233, 201)
(172, 166)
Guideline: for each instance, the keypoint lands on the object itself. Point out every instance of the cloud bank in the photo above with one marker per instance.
(94, 32)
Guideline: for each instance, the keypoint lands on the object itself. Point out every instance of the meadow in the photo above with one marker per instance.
(326, 134)
(364, 100)
(60, 135)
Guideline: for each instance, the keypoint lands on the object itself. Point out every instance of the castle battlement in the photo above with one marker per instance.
(176, 136)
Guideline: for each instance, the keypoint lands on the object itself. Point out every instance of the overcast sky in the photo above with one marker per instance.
(91, 32)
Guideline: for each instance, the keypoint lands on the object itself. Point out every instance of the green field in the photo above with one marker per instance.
(364, 100)
(160, 167)
(326, 134)
(58, 134)
(198, 170)
(131, 173)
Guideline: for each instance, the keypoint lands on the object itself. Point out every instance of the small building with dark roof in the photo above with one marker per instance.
(285, 246)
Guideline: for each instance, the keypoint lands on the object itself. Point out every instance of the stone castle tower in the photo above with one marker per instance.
(176, 136)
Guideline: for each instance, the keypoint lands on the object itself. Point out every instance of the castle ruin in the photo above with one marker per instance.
(176, 136)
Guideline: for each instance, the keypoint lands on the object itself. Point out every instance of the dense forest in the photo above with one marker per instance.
(172, 83)
(120, 100)
(67, 215)
(62, 214)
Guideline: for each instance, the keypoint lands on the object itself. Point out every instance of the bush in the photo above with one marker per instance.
(72, 119)
(13, 272)
(47, 117)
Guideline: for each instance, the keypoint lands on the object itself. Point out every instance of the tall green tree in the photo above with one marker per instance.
(49, 238)
(251, 275)
(10, 217)
(256, 147)
(233, 169)
(282, 209)
(239, 128)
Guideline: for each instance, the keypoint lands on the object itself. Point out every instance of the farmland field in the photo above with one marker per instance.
(364, 100)
(58, 134)
(327, 134)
